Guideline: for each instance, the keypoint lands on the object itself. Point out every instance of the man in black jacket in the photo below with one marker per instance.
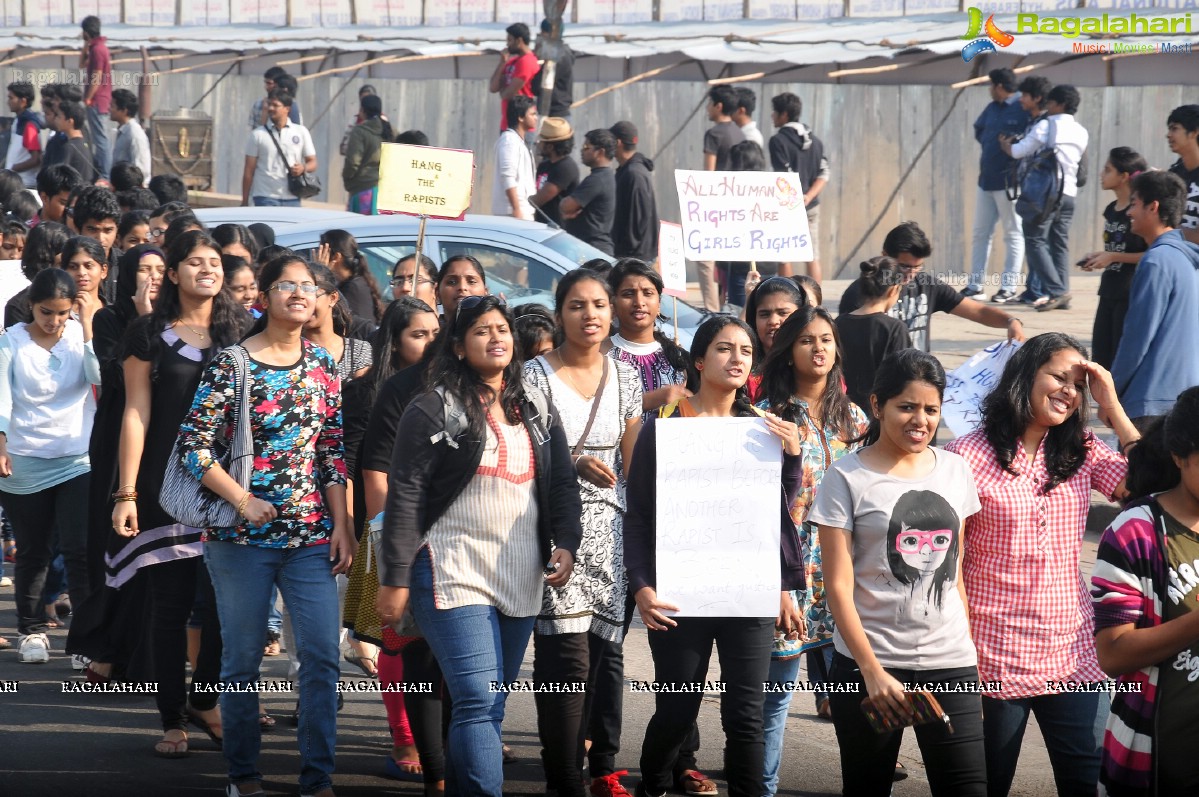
(635, 229)
(794, 149)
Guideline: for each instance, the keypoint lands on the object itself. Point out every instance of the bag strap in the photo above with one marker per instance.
(595, 402)
(275, 141)
(243, 438)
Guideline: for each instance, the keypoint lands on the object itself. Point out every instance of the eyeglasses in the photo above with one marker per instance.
(157, 233)
(913, 541)
(471, 302)
(291, 287)
(400, 282)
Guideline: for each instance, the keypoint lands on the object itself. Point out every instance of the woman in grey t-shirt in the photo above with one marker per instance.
(890, 518)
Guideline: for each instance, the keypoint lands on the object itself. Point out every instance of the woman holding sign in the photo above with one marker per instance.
(1035, 463)
(890, 521)
(581, 626)
(802, 382)
(482, 511)
(722, 352)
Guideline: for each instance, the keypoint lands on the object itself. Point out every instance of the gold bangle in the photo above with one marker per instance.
(122, 498)
(241, 505)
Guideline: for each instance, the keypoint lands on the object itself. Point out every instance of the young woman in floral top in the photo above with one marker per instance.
(802, 383)
(296, 533)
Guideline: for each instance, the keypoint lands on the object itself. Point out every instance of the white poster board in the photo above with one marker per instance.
(718, 495)
(671, 262)
(968, 384)
(743, 216)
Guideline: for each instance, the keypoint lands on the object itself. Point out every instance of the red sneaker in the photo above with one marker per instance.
(609, 785)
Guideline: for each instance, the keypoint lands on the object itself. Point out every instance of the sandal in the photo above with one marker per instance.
(194, 718)
(694, 782)
(4, 644)
(171, 749)
(824, 710)
(273, 647)
(404, 770)
(266, 722)
(362, 662)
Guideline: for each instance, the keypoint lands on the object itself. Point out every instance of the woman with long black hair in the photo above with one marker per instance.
(165, 354)
(802, 383)
(483, 509)
(1035, 463)
(339, 252)
(295, 530)
(722, 354)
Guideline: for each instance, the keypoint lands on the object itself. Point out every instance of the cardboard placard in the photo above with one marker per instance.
(743, 216)
(717, 522)
(672, 263)
(425, 181)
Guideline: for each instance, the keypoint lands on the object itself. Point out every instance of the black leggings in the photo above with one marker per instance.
(172, 595)
(428, 712)
(956, 763)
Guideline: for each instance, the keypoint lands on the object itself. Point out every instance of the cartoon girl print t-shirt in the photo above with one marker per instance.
(906, 547)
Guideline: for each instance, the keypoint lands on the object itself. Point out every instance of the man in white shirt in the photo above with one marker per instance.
(515, 180)
(131, 145)
(743, 115)
(1046, 245)
(264, 178)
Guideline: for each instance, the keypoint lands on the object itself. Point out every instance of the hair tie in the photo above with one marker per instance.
(1133, 176)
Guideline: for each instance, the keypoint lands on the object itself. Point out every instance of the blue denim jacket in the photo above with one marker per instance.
(998, 118)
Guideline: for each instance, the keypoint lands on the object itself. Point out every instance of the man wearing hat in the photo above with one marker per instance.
(557, 174)
(635, 229)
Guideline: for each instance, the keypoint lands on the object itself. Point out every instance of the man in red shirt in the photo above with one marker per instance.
(98, 93)
(514, 73)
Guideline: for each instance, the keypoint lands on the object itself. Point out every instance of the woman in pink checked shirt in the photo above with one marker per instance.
(1035, 463)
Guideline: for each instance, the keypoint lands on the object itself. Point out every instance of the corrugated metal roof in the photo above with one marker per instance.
(841, 40)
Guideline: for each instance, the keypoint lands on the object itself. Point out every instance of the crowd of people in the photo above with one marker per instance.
(434, 478)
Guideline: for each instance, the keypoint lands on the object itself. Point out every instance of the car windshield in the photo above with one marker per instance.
(575, 250)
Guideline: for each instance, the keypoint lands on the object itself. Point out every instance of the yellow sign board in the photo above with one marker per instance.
(425, 181)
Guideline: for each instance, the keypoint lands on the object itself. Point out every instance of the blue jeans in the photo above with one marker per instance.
(1048, 248)
(242, 578)
(275, 202)
(1072, 725)
(774, 720)
(474, 645)
(97, 130)
(991, 207)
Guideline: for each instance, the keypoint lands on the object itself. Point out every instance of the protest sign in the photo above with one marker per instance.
(743, 216)
(425, 181)
(968, 384)
(671, 262)
(718, 490)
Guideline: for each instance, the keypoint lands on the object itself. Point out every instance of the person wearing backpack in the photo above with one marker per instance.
(1046, 236)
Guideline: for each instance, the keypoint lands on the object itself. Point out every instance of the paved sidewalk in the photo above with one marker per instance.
(62, 744)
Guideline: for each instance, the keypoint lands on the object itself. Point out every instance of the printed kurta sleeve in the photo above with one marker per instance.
(211, 411)
(834, 501)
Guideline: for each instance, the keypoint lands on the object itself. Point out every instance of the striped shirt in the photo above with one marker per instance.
(484, 548)
(1127, 586)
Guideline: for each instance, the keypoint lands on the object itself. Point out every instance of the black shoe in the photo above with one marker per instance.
(970, 292)
(1003, 297)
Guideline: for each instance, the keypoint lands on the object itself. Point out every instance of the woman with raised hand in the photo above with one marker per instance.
(47, 371)
(1146, 632)
(722, 353)
(801, 383)
(482, 510)
(581, 626)
(339, 251)
(295, 531)
(890, 518)
(1035, 463)
(84, 259)
(165, 353)
(659, 361)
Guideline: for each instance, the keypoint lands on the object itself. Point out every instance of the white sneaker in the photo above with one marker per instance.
(5, 581)
(79, 663)
(35, 649)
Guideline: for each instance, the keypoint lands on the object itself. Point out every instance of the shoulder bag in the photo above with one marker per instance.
(183, 497)
(304, 185)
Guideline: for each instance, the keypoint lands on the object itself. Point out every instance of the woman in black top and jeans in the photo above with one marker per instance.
(722, 354)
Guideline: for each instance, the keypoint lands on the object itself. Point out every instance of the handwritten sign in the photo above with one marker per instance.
(718, 489)
(743, 216)
(671, 260)
(968, 384)
(425, 181)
